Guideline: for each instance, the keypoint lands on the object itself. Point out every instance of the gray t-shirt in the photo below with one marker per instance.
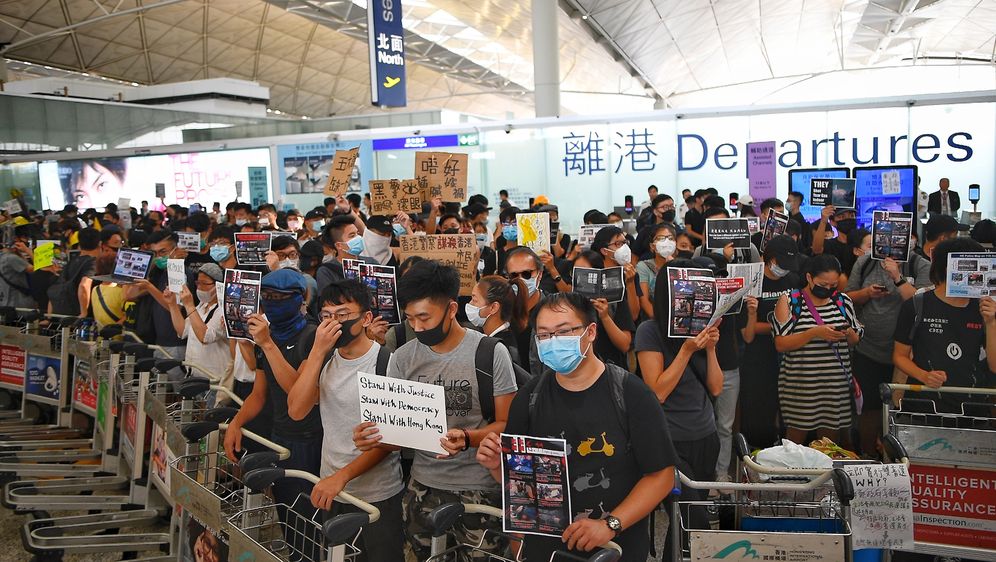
(688, 409)
(879, 315)
(456, 373)
(339, 404)
(12, 267)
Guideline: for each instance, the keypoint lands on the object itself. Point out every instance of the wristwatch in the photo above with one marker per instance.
(902, 281)
(558, 279)
(615, 525)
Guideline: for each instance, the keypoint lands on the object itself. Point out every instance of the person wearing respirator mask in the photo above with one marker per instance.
(204, 325)
(614, 333)
(612, 243)
(498, 308)
(663, 246)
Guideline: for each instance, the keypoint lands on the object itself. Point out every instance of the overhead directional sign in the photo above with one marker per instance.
(386, 40)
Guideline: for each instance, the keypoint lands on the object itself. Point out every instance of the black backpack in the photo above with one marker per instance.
(62, 294)
(484, 363)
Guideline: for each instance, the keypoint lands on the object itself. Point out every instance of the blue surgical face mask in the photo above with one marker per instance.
(219, 253)
(777, 271)
(356, 245)
(317, 226)
(399, 229)
(530, 284)
(510, 232)
(561, 353)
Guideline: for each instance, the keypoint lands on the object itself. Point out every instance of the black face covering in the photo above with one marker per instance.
(685, 254)
(668, 215)
(452, 231)
(347, 335)
(846, 225)
(821, 292)
(434, 336)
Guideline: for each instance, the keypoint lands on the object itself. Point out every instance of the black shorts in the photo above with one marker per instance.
(870, 374)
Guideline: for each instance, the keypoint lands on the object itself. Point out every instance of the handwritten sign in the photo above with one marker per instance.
(407, 413)
(534, 231)
(441, 174)
(124, 203)
(456, 250)
(12, 207)
(342, 169)
(190, 241)
(387, 197)
(882, 508)
(44, 255)
(176, 277)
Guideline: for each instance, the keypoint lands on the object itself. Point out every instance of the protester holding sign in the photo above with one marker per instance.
(616, 325)
(620, 454)
(444, 353)
(662, 246)
(813, 329)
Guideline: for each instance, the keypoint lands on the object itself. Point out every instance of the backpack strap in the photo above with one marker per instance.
(400, 334)
(484, 366)
(795, 303)
(114, 317)
(383, 358)
(207, 318)
(917, 314)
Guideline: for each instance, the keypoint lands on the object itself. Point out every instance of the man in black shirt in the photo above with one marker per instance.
(793, 204)
(579, 398)
(844, 220)
(694, 223)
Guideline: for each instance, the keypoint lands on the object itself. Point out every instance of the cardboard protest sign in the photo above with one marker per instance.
(534, 231)
(608, 283)
(190, 241)
(456, 250)
(388, 197)
(44, 254)
(342, 169)
(536, 485)
(251, 247)
(882, 508)
(586, 234)
(241, 301)
(892, 234)
(838, 192)
(124, 204)
(442, 174)
(383, 284)
(774, 226)
(693, 301)
(407, 413)
(752, 273)
(971, 274)
(176, 277)
(720, 232)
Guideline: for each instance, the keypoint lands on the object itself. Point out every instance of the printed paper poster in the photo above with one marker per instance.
(383, 284)
(242, 290)
(84, 385)
(12, 207)
(534, 231)
(693, 301)
(721, 232)
(753, 274)
(892, 235)
(730, 292)
(838, 192)
(12, 364)
(351, 269)
(124, 218)
(608, 283)
(251, 247)
(536, 491)
(190, 241)
(774, 226)
(407, 413)
(753, 224)
(971, 275)
(586, 235)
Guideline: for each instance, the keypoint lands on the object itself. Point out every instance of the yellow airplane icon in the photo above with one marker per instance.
(391, 82)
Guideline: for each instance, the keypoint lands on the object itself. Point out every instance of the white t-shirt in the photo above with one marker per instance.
(213, 354)
(339, 404)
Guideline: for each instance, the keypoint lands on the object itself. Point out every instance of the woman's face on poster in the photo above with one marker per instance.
(206, 548)
(96, 186)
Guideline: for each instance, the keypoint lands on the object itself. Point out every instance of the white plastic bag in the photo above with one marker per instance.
(793, 455)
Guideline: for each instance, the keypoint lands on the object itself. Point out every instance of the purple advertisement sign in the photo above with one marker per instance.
(761, 170)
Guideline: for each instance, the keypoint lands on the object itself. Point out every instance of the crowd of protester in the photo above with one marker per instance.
(829, 318)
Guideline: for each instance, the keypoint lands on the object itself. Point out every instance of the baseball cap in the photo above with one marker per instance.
(285, 281)
(541, 200)
(746, 200)
(939, 224)
(548, 209)
(784, 251)
(213, 271)
(474, 209)
(984, 232)
(315, 214)
(380, 223)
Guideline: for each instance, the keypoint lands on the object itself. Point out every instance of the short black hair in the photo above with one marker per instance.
(335, 227)
(503, 192)
(594, 258)
(712, 212)
(200, 222)
(507, 214)
(107, 233)
(160, 235)
(342, 291)
(604, 236)
(329, 201)
(354, 199)
(714, 201)
(429, 279)
(404, 266)
(856, 236)
(660, 199)
(823, 263)
(614, 214)
(771, 203)
(537, 262)
(596, 217)
(89, 238)
(223, 232)
(798, 195)
(939, 257)
(652, 186)
(448, 216)
(566, 301)
(282, 242)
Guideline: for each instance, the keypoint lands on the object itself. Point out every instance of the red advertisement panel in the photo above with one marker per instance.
(954, 506)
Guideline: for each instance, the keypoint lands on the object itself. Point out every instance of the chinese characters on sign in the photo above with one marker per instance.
(456, 250)
(387, 197)
(342, 168)
(441, 174)
(761, 170)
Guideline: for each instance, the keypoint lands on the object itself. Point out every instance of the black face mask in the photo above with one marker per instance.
(434, 336)
(452, 231)
(668, 215)
(347, 336)
(846, 225)
(685, 254)
(821, 292)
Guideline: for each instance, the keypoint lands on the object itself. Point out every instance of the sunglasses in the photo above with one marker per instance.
(528, 274)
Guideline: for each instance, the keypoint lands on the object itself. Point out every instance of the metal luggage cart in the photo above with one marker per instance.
(445, 516)
(261, 533)
(952, 468)
(806, 521)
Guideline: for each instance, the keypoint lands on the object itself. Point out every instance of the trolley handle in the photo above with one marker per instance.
(942, 389)
(192, 386)
(198, 430)
(260, 478)
(164, 365)
(781, 471)
(445, 516)
(822, 478)
(894, 449)
(843, 486)
(110, 330)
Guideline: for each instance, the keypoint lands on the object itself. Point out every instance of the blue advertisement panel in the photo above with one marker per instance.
(421, 141)
(43, 376)
(386, 40)
(258, 188)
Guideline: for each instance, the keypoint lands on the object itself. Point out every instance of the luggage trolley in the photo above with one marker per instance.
(952, 468)
(260, 534)
(774, 521)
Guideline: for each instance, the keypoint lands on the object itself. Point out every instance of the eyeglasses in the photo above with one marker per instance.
(164, 253)
(663, 208)
(565, 332)
(293, 254)
(112, 248)
(616, 245)
(528, 274)
(661, 238)
(340, 317)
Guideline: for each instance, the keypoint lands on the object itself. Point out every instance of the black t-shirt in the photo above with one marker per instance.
(805, 233)
(591, 415)
(728, 348)
(694, 221)
(604, 347)
(842, 252)
(949, 339)
(761, 352)
(161, 319)
(295, 352)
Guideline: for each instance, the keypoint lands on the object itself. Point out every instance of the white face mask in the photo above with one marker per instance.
(328, 258)
(622, 255)
(289, 264)
(205, 296)
(474, 315)
(263, 221)
(665, 248)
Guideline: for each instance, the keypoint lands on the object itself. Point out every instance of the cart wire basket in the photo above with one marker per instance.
(285, 533)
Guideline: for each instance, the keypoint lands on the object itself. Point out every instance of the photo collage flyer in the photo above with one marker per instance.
(241, 301)
(891, 235)
(383, 286)
(693, 301)
(535, 485)
(971, 275)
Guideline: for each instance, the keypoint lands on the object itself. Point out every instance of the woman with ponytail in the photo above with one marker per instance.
(497, 308)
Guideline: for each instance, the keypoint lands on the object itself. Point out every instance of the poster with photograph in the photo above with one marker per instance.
(971, 275)
(241, 301)
(535, 482)
(693, 301)
(190, 241)
(351, 269)
(202, 544)
(775, 225)
(892, 233)
(251, 247)
(44, 376)
(383, 284)
(388, 197)
(608, 283)
(753, 224)
(721, 232)
(730, 293)
(586, 235)
(753, 274)
(838, 192)
(340, 172)
(534, 231)
(456, 250)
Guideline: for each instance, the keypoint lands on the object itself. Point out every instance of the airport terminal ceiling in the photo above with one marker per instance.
(475, 56)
